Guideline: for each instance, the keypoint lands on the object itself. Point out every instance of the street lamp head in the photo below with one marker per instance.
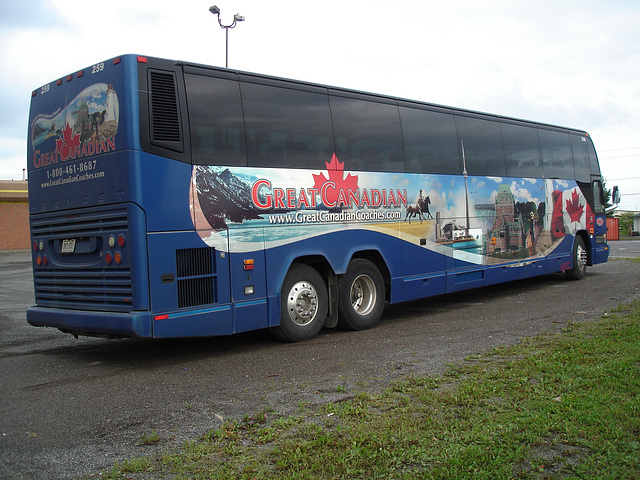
(215, 10)
(238, 18)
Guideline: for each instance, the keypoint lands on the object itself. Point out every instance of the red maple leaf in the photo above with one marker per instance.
(574, 209)
(338, 181)
(67, 142)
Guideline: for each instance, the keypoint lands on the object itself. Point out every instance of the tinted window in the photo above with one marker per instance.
(367, 135)
(484, 154)
(522, 151)
(593, 158)
(215, 118)
(430, 142)
(557, 161)
(581, 164)
(598, 197)
(287, 128)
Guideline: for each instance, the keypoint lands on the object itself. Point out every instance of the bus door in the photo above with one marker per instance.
(598, 225)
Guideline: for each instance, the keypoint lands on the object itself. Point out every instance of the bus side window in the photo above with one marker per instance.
(286, 127)
(522, 151)
(557, 160)
(484, 152)
(430, 142)
(216, 122)
(367, 134)
(581, 158)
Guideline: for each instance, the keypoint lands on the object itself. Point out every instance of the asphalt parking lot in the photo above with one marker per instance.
(73, 407)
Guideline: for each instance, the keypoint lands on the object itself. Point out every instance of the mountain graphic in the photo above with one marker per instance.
(224, 197)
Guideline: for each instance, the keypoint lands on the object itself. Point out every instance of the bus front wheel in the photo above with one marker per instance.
(360, 296)
(303, 305)
(580, 259)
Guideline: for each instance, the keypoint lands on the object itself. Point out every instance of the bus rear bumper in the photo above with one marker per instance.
(91, 323)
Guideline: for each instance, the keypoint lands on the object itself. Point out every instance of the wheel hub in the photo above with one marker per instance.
(363, 294)
(302, 303)
(582, 257)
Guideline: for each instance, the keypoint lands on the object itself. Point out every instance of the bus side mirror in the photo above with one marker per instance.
(615, 196)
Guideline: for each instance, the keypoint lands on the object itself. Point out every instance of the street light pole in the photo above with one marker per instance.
(236, 18)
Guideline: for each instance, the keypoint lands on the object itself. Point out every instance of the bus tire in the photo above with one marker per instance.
(361, 296)
(580, 258)
(303, 305)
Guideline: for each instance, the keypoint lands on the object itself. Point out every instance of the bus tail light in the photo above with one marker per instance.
(248, 264)
(161, 317)
(122, 240)
(118, 258)
(108, 258)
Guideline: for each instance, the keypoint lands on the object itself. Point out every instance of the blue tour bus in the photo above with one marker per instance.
(169, 199)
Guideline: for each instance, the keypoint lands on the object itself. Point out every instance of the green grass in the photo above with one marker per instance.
(562, 405)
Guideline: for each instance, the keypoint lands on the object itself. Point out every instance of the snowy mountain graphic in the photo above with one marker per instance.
(224, 197)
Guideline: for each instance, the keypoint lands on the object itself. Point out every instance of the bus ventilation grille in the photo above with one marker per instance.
(78, 281)
(165, 115)
(196, 274)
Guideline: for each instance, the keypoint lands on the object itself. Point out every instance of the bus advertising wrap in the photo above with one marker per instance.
(483, 220)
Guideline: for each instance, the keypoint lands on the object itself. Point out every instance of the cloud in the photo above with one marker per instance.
(554, 62)
(522, 194)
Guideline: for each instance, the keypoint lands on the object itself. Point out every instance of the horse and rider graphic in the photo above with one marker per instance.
(421, 207)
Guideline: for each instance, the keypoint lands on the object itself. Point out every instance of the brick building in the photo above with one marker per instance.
(14, 215)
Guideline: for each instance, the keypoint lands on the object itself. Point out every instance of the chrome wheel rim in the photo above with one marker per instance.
(363, 294)
(581, 254)
(302, 303)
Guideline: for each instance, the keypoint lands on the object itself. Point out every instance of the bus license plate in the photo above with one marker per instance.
(68, 245)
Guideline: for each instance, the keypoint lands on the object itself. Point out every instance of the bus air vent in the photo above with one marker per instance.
(164, 111)
(196, 276)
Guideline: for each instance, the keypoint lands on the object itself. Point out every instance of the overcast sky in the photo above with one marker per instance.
(571, 63)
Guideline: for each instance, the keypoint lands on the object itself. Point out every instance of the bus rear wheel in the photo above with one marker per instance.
(303, 305)
(360, 296)
(580, 259)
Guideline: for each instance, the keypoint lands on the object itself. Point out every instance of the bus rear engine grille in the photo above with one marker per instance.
(84, 289)
(80, 280)
(94, 222)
